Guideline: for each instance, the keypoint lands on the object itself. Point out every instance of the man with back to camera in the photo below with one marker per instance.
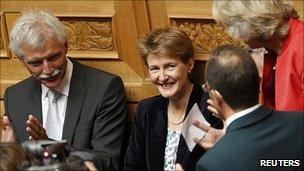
(257, 138)
(63, 99)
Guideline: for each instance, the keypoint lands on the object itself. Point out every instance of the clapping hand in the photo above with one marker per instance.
(35, 129)
(7, 132)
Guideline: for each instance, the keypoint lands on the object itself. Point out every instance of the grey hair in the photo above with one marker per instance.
(32, 29)
(247, 19)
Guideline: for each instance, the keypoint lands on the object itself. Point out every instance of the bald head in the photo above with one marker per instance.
(232, 72)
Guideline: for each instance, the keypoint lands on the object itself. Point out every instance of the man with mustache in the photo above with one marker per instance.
(63, 99)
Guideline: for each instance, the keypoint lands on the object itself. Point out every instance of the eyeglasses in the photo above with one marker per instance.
(256, 50)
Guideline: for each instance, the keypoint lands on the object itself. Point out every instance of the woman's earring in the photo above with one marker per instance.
(189, 71)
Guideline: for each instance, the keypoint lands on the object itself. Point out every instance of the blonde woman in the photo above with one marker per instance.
(274, 25)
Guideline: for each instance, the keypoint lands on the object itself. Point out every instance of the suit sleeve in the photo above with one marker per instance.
(135, 158)
(7, 112)
(6, 101)
(109, 126)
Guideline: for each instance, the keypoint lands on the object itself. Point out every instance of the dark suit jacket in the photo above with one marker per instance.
(261, 134)
(95, 114)
(146, 150)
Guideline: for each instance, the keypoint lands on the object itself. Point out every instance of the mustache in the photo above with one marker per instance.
(46, 76)
(162, 82)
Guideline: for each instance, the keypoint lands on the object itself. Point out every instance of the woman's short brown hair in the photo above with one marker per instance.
(166, 42)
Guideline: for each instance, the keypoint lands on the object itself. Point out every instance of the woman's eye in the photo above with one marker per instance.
(153, 70)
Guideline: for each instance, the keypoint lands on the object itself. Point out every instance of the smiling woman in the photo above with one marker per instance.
(169, 56)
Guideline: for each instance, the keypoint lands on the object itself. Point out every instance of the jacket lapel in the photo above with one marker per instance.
(158, 134)
(195, 97)
(251, 118)
(34, 102)
(183, 152)
(75, 101)
(34, 107)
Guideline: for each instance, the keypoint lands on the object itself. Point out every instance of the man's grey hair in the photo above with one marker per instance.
(32, 29)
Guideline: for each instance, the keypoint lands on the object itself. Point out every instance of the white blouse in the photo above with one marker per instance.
(171, 149)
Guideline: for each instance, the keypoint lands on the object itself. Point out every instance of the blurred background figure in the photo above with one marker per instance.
(11, 157)
(156, 142)
(273, 25)
(44, 155)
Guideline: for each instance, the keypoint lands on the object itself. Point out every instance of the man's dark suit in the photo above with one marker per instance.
(95, 112)
(261, 134)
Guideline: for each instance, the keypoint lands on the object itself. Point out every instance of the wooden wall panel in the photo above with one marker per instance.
(189, 9)
(103, 34)
(63, 8)
(299, 6)
(90, 37)
(157, 14)
(205, 35)
(3, 33)
(1, 108)
(5, 25)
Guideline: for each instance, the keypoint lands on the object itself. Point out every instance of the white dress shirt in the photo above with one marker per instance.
(240, 114)
(63, 88)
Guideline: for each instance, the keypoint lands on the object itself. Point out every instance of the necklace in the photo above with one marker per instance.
(174, 122)
(184, 112)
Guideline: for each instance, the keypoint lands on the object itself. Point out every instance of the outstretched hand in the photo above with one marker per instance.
(35, 129)
(211, 137)
(7, 132)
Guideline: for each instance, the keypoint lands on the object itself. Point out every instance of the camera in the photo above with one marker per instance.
(47, 155)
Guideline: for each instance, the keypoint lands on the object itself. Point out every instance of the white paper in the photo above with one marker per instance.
(189, 131)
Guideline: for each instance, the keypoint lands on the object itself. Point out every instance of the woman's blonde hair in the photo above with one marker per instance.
(247, 19)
